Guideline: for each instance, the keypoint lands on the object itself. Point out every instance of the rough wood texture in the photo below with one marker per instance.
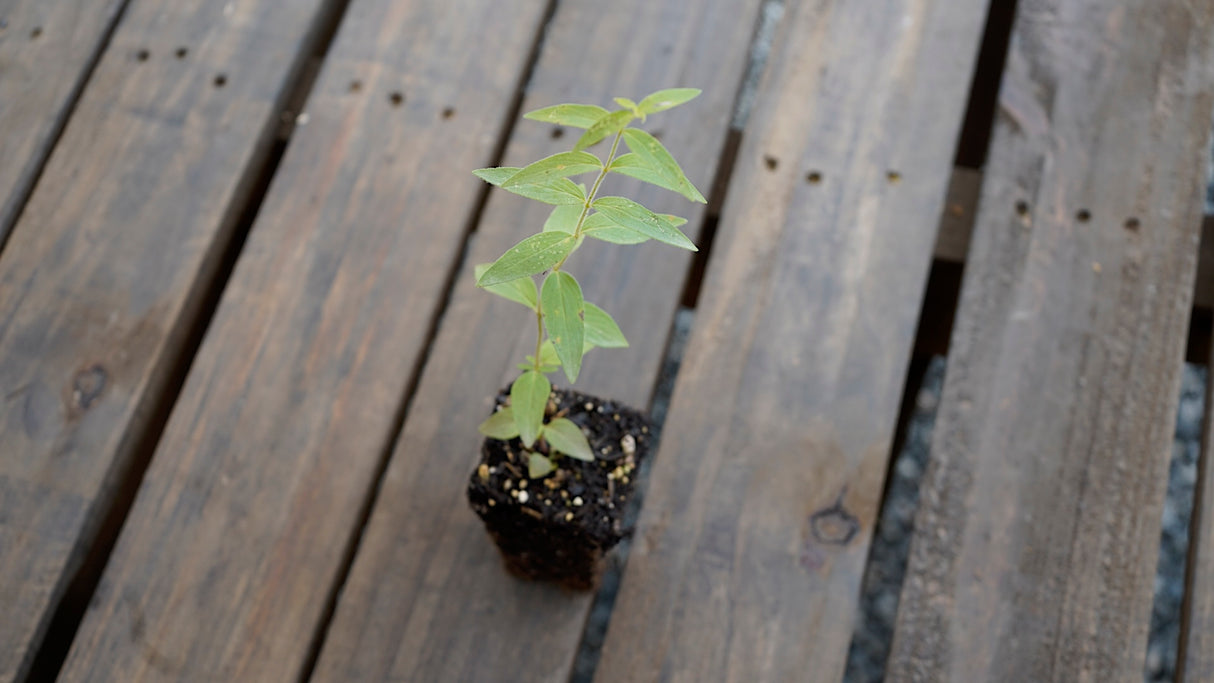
(241, 528)
(105, 270)
(1196, 660)
(957, 224)
(46, 49)
(428, 599)
(1035, 547)
(755, 531)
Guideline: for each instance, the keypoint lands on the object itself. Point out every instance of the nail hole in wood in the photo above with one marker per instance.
(396, 99)
(1022, 208)
(34, 34)
(893, 177)
(356, 85)
(557, 133)
(771, 162)
(1132, 224)
(448, 113)
(221, 80)
(813, 177)
(142, 55)
(181, 52)
(1083, 216)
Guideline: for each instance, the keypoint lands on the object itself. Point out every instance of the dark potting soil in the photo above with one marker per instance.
(559, 527)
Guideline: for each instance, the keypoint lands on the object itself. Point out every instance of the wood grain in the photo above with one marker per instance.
(957, 226)
(47, 48)
(427, 598)
(108, 264)
(755, 531)
(1035, 546)
(242, 524)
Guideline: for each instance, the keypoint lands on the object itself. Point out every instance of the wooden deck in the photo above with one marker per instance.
(242, 358)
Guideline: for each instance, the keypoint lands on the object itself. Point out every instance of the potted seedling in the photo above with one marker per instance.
(558, 467)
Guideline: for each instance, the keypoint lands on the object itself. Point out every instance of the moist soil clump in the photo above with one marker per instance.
(559, 527)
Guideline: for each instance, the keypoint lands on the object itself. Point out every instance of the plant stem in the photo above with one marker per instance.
(539, 337)
(594, 190)
(577, 232)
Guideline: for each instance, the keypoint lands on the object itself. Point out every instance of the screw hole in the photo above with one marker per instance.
(813, 177)
(771, 162)
(893, 177)
(1083, 216)
(142, 55)
(1132, 224)
(221, 80)
(1022, 208)
(36, 33)
(557, 133)
(396, 99)
(356, 85)
(448, 113)
(181, 52)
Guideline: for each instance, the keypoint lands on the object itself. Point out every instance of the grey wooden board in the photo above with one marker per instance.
(427, 598)
(756, 526)
(46, 49)
(241, 527)
(1036, 541)
(106, 268)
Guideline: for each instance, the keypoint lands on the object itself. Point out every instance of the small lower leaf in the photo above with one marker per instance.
(528, 399)
(566, 437)
(500, 425)
(522, 290)
(539, 466)
(601, 330)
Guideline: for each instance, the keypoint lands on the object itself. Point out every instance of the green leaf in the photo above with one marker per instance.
(601, 227)
(632, 215)
(607, 125)
(500, 425)
(626, 103)
(538, 466)
(528, 399)
(548, 354)
(676, 221)
(666, 99)
(653, 157)
(561, 301)
(533, 255)
(556, 166)
(566, 437)
(563, 219)
(521, 290)
(496, 176)
(575, 115)
(558, 191)
(601, 330)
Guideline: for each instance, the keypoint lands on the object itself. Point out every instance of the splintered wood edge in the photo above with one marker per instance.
(957, 224)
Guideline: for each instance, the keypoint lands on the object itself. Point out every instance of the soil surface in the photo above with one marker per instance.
(557, 528)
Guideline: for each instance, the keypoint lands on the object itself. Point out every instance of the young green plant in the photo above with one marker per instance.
(573, 325)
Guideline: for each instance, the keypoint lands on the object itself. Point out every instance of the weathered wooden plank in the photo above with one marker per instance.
(1036, 542)
(957, 224)
(47, 48)
(756, 527)
(242, 524)
(428, 599)
(107, 266)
